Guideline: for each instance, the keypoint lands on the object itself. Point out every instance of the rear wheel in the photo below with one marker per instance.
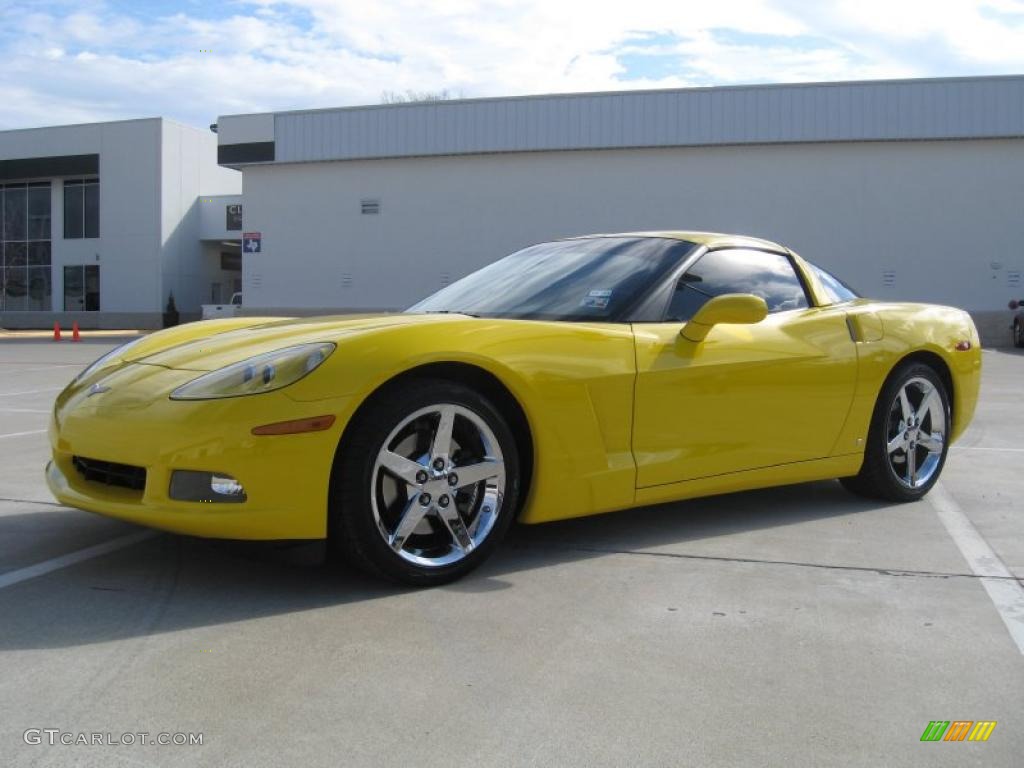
(426, 486)
(908, 439)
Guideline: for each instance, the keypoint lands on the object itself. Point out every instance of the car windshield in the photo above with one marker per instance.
(593, 278)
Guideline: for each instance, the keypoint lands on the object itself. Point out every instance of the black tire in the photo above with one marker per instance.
(1018, 333)
(877, 477)
(353, 530)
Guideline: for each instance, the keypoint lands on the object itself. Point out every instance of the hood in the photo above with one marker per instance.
(231, 346)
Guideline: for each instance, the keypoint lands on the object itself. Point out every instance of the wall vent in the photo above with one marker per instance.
(369, 207)
(346, 280)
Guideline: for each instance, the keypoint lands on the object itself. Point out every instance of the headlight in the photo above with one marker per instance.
(263, 373)
(115, 352)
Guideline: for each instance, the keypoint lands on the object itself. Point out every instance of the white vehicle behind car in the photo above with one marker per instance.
(231, 309)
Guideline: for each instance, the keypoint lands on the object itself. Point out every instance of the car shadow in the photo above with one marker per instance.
(171, 583)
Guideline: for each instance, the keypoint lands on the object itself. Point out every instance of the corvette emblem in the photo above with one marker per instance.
(97, 389)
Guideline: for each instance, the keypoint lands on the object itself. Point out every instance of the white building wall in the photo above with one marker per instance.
(943, 217)
(189, 170)
(213, 217)
(128, 246)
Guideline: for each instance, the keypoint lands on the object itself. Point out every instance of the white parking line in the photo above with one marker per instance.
(47, 566)
(31, 391)
(985, 448)
(19, 434)
(1006, 594)
(23, 410)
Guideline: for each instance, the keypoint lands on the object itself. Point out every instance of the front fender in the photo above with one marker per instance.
(574, 382)
(905, 330)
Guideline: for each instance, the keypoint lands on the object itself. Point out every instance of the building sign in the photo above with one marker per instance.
(234, 217)
(252, 242)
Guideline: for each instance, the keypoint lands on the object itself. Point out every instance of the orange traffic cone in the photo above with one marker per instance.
(74, 331)
(56, 331)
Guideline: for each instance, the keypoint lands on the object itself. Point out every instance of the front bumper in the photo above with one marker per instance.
(286, 477)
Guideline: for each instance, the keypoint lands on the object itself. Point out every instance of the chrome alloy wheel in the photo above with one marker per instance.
(438, 485)
(916, 432)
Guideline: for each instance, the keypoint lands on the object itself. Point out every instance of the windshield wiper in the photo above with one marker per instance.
(447, 312)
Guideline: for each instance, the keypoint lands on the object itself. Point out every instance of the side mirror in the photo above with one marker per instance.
(732, 308)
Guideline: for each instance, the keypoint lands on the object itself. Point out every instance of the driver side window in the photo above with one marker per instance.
(768, 275)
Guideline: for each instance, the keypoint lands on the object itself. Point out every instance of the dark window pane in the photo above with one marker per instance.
(39, 213)
(39, 289)
(74, 297)
(73, 203)
(39, 254)
(230, 262)
(92, 210)
(768, 275)
(15, 254)
(15, 290)
(14, 213)
(92, 289)
(3, 288)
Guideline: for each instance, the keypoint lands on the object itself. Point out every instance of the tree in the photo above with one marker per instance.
(418, 97)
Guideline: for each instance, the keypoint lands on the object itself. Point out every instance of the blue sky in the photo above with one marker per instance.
(83, 60)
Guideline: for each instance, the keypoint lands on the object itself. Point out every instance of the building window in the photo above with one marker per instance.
(81, 208)
(25, 251)
(82, 288)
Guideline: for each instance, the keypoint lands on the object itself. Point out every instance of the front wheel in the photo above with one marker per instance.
(908, 438)
(1018, 334)
(426, 485)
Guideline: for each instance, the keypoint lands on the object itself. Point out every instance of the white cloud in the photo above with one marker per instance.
(72, 61)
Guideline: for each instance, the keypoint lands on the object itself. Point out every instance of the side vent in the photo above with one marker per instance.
(369, 207)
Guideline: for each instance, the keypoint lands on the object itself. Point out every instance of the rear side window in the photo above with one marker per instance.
(835, 289)
(768, 275)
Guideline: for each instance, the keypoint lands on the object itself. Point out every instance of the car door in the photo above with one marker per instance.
(748, 396)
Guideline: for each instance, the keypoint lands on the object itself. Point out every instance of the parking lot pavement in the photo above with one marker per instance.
(797, 625)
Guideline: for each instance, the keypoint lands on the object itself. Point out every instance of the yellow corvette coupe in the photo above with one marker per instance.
(567, 379)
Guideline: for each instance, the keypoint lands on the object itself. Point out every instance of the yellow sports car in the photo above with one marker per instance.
(571, 378)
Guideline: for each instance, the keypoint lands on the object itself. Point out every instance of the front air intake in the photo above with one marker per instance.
(110, 473)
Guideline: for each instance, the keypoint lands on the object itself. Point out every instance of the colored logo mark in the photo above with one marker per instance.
(958, 730)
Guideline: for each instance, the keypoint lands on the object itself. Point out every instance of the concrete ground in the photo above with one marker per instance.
(798, 626)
